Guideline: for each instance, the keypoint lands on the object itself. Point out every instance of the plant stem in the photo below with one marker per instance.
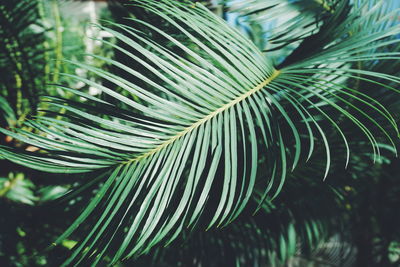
(59, 40)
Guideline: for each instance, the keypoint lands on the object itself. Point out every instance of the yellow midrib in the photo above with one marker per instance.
(208, 117)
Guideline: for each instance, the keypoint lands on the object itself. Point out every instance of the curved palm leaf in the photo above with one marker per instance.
(283, 233)
(188, 151)
(301, 18)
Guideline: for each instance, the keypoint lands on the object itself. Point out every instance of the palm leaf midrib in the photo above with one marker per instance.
(195, 125)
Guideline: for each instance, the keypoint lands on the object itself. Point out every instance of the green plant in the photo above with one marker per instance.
(21, 56)
(213, 125)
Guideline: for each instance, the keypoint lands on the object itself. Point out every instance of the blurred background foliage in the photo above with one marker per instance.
(350, 219)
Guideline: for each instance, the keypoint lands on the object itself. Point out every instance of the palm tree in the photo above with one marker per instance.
(204, 129)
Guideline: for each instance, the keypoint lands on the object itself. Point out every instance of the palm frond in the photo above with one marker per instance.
(284, 23)
(21, 54)
(187, 153)
(280, 234)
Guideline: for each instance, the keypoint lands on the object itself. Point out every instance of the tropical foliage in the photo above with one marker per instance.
(200, 126)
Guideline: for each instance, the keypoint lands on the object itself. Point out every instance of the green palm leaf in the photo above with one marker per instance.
(7, 112)
(187, 152)
(286, 23)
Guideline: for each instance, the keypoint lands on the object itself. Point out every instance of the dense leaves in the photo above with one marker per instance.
(204, 123)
